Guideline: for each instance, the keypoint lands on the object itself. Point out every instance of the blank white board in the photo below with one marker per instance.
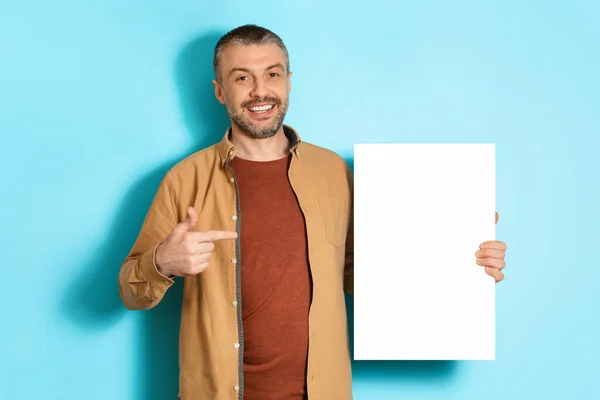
(420, 214)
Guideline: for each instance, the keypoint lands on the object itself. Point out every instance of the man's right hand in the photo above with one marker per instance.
(185, 252)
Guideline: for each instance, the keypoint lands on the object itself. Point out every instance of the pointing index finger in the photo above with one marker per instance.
(214, 235)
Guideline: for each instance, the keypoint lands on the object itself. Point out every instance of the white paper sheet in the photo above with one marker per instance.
(421, 211)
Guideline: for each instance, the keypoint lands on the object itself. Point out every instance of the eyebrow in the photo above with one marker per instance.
(277, 65)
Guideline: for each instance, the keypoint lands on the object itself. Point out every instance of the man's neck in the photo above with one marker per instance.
(269, 149)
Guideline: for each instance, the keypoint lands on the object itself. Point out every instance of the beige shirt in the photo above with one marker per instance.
(211, 337)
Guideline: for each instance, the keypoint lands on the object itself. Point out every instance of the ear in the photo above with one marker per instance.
(218, 91)
(290, 81)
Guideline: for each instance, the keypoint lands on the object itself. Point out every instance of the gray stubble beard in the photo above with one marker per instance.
(252, 131)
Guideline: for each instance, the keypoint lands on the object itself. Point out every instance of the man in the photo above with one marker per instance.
(260, 227)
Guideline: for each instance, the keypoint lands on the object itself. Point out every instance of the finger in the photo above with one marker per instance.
(193, 262)
(496, 274)
(490, 253)
(189, 224)
(201, 267)
(202, 258)
(212, 236)
(203, 247)
(491, 262)
(197, 268)
(493, 244)
(496, 216)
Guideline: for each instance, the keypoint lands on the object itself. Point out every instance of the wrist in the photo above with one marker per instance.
(158, 260)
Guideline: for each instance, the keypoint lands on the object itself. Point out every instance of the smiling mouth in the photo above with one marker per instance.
(261, 109)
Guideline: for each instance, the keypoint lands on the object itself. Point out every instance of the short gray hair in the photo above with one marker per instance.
(247, 35)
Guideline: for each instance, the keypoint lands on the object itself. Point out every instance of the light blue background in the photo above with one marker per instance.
(99, 98)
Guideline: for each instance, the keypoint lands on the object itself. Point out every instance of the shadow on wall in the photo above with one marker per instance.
(93, 301)
(386, 370)
(206, 120)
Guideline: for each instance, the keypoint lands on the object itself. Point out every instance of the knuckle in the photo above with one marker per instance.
(201, 267)
(189, 263)
(189, 247)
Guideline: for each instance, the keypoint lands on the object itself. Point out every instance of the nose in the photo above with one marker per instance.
(260, 89)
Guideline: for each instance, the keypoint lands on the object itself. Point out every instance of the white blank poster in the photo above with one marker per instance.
(420, 213)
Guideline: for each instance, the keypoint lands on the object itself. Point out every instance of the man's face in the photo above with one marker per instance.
(254, 86)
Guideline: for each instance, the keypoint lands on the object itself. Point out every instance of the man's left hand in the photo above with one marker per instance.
(491, 256)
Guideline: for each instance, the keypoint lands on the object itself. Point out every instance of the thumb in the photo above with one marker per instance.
(189, 224)
(496, 217)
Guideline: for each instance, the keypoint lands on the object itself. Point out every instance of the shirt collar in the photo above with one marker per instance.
(227, 150)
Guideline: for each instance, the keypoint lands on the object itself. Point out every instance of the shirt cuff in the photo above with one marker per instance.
(153, 275)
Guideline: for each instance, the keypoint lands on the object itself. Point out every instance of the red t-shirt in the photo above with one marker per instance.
(276, 282)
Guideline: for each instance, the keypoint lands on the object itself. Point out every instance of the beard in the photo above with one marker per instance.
(253, 131)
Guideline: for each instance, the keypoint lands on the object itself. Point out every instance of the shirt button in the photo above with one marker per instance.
(237, 345)
(232, 180)
(234, 217)
(236, 388)
(234, 261)
(234, 302)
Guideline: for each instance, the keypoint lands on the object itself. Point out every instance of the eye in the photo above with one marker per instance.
(273, 74)
(242, 78)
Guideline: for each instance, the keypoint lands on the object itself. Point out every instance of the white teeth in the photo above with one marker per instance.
(261, 108)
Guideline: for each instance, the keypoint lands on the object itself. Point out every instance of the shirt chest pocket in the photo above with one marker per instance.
(335, 216)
